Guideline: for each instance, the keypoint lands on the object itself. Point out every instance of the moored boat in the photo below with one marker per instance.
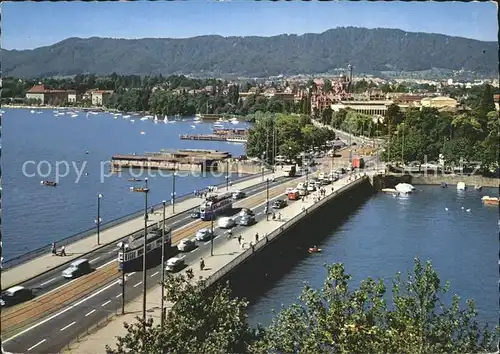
(314, 249)
(405, 188)
(490, 200)
(48, 183)
(444, 185)
(461, 186)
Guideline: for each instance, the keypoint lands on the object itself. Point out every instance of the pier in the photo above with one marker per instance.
(214, 137)
(180, 160)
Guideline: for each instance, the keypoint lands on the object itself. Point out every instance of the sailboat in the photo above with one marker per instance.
(156, 117)
(165, 119)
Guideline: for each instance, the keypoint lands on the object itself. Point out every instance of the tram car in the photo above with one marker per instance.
(216, 205)
(131, 260)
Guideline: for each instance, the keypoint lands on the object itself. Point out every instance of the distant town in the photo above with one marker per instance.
(371, 96)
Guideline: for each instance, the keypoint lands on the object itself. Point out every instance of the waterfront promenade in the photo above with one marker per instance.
(45, 262)
(227, 255)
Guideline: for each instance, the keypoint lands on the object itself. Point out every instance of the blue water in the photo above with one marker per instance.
(384, 235)
(34, 215)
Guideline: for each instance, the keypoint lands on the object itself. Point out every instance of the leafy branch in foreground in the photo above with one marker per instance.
(336, 319)
(333, 319)
(200, 322)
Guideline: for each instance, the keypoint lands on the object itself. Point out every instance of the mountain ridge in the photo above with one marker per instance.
(368, 50)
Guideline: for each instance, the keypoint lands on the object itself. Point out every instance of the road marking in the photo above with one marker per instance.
(139, 283)
(60, 313)
(71, 324)
(117, 296)
(37, 344)
(206, 243)
(105, 264)
(93, 260)
(130, 274)
(107, 302)
(113, 251)
(48, 281)
(90, 313)
(152, 275)
(193, 250)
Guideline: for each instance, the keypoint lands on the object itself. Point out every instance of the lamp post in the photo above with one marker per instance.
(212, 234)
(267, 199)
(262, 165)
(402, 145)
(144, 190)
(122, 282)
(98, 220)
(173, 192)
(227, 175)
(162, 318)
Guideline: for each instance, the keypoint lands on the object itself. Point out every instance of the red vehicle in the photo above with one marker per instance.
(358, 162)
(293, 195)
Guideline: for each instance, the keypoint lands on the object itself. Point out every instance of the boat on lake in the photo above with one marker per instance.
(48, 183)
(490, 200)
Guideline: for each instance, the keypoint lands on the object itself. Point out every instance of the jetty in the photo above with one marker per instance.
(179, 160)
(237, 135)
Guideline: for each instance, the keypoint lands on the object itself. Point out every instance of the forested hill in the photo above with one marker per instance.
(368, 50)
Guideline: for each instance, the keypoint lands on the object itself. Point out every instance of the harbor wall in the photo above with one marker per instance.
(267, 264)
(391, 180)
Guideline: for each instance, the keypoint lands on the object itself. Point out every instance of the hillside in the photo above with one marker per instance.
(367, 50)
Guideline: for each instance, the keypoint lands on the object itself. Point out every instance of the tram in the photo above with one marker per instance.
(215, 205)
(131, 260)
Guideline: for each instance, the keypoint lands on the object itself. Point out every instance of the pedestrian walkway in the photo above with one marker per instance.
(224, 254)
(46, 262)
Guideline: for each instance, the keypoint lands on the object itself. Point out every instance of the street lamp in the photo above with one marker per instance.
(144, 190)
(212, 234)
(162, 319)
(172, 194)
(267, 199)
(227, 175)
(98, 220)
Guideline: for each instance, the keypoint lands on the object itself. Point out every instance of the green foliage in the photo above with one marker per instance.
(336, 319)
(199, 322)
(293, 134)
(467, 136)
(368, 50)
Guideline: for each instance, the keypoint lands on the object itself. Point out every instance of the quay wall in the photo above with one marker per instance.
(162, 165)
(256, 270)
(391, 180)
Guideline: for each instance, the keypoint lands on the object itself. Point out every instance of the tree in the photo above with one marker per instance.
(326, 115)
(198, 322)
(336, 319)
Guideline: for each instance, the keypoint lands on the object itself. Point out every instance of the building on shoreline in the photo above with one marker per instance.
(50, 97)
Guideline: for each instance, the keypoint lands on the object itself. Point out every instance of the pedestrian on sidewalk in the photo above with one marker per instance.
(195, 193)
(230, 183)
(279, 216)
(239, 240)
(152, 210)
(202, 264)
(256, 237)
(63, 251)
(53, 249)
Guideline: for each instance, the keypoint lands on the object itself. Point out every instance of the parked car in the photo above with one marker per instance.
(16, 295)
(195, 214)
(288, 190)
(77, 269)
(311, 188)
(174, 264)
(186, 245)
(204, 234)
(246, 211)
(238, 195)
(246, 220)
(279, 204)
(226, 223)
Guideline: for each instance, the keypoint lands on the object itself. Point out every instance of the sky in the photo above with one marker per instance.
(28, 25)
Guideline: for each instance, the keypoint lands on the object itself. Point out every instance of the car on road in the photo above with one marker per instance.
(311, 187)
(77, 269)
(174, 264)
(246, 211)
(279, 204)
(354, 143)
(238, 195)
(195, 214)
(16, 295)
(186, 245)
(289, 190)
(226, 222)
(246, 220)
(204, 234)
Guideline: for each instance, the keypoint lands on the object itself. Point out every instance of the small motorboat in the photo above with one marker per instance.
(134, 180)
(48, 183)
(314, 249)
(444, 185)
(461, 186)
(490, 200)
(478, 187)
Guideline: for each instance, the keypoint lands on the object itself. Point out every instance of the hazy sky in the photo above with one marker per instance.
(27, 25)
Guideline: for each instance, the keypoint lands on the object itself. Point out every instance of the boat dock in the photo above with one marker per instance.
(180, 160)
(214, 137)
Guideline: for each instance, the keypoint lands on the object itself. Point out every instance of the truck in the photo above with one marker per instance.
(289, 170)
(358, 162)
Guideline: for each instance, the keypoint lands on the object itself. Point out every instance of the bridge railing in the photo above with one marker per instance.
(87, 233)
(269, 237)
